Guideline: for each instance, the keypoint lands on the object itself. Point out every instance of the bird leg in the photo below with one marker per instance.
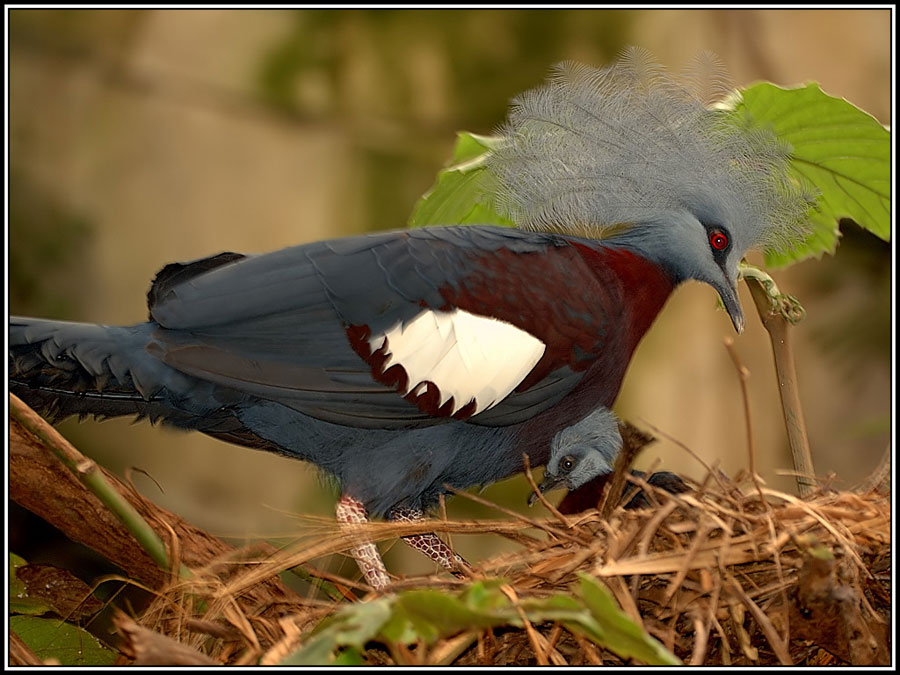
(430, 544)
(350, 511)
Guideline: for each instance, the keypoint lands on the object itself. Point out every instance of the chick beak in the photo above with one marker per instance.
(548, 483)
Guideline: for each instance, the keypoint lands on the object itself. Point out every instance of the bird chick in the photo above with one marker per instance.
(581, 452)
(582, 458)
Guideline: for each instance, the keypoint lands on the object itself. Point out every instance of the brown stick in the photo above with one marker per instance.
(774, 316)
(775, 641)
(537, 491)
(149, 648)
(633, 441)
(743, 376)
(41, 483)
(20, 654)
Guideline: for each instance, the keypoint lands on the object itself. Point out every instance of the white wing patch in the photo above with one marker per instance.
(465, 355)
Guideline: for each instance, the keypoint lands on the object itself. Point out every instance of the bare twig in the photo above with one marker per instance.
(537, 491)
(778, 312)
(590, 651)
(710, 472)
(446, 652)
(20, 654)
(542, 648)
(775, 641)
(701, 632)
(880, 478)
(531, 521)
(149, 648)
(743, 376)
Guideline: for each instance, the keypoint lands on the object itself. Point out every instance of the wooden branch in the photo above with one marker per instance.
(87, 471)
(40, 482)
(149, 648)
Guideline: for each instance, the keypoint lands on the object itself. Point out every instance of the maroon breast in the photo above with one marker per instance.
(588, 304)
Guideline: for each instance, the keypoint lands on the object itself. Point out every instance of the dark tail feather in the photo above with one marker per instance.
(62, 369)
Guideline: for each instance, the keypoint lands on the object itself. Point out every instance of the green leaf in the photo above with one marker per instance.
(462, 194)
(594, 614)
(485, 595)
(399, 629)
(473, 148)
(20, 602)
(362, 623)
(351, 626)
(68, 644)
(317, 651)
(837, 148)
(623, 636)
(428, 615)
(349, 657)
(433, 614)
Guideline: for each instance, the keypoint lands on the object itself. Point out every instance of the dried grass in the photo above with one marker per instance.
(718, 575)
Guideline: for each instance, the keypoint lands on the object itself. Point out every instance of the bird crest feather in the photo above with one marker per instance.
(593, 150)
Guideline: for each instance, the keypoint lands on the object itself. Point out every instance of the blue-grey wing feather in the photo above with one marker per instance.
(275, 325)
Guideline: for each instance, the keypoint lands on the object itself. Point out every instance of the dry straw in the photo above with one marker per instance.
(718, 576)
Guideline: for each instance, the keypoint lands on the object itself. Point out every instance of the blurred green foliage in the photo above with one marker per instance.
(74, 33)
(859, 282)
(359, 68)
(486, 46)
(49, 244)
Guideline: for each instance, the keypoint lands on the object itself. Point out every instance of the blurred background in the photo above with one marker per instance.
(142, 137)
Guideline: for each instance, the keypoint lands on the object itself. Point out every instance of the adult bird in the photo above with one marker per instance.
(404, 362)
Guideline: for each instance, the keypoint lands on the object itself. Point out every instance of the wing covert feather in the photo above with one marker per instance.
(279, 326)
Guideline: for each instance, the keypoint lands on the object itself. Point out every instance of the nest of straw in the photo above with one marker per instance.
(722, 575)
(727, 573)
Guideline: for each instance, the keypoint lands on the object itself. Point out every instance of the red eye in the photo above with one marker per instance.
(718, 240)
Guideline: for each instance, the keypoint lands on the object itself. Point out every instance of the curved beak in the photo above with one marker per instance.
(548, 483)
(728, 293)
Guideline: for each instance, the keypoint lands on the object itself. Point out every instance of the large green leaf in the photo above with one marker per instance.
(433, 614)
(462, 194)
(837, 148)
(429, 615)
(55, 639)
(629, 639)
(595, 615)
